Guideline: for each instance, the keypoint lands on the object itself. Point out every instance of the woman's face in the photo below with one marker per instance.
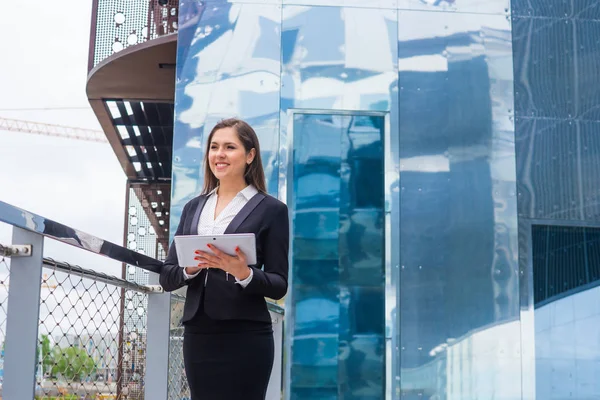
(227, 156)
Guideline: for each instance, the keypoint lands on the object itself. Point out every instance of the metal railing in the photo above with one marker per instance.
(79, 348)
(178, 386)
(82, 334)
(118, 24)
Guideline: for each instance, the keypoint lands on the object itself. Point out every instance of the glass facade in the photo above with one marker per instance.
(416, 166)
(338, 289)
(557, 89)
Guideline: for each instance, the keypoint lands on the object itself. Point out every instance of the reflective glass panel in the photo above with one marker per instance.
(557, 92)
(459, 317)
(566, 277)
(338, 58)
(346, 3)
(338, 258)
(462, 6)
(228, 65)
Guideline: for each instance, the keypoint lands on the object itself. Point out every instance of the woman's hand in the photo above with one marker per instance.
(235, 265)
(193, 270)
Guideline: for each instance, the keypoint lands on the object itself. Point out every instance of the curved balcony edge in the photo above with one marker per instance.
(145, 71)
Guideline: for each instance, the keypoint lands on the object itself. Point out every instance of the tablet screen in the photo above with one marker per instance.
(187, 246)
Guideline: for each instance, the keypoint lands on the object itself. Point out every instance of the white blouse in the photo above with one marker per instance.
(209, 225)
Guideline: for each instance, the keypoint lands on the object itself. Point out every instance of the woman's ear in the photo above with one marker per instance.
(250, 156)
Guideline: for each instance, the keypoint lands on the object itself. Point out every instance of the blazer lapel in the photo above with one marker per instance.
(244, 213)
(193, 228)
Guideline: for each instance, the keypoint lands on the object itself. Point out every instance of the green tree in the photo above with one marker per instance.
(72, 363)
(47, 355)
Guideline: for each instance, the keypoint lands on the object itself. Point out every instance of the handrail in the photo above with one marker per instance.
(36, 223)
(72, 269)
(46, 227)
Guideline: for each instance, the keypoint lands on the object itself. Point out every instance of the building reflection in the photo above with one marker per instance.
(389, 129)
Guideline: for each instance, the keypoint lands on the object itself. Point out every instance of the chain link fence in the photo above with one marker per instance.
(4, 274)
(178, 386)
(92, 327)
(85, 350)
(92, 335)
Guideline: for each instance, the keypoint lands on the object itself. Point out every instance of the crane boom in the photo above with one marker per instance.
(40, 128)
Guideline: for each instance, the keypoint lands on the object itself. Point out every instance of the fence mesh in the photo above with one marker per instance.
(92, 335)
(178, 386)
(4, 273)
(80, 335)
(134, 344)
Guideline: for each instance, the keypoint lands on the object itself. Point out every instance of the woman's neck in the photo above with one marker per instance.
(231, 189)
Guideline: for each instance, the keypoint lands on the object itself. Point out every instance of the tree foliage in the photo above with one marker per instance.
(71, 362)
(47, 359)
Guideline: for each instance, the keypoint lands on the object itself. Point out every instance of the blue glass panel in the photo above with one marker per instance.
(351, 67)
(458, 290)
(581, 9)
(338, 271)
(586, 9)
(544, 67)
(548, 168)
(315, 340)
(464, 6)
(542, 8)
(228, 64)
(556, 98)
(567, 322)
(315, 255)
(590, 169)
(362, 298)
(345, 3)
(587, 37)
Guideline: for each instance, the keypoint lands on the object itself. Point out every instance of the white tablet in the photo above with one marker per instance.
(187, 245)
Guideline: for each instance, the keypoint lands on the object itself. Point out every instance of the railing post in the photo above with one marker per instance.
(274, 388)
(21, 343)
(157, 344)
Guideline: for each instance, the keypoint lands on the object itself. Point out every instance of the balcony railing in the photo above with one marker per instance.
(118, 24)
(73, 333)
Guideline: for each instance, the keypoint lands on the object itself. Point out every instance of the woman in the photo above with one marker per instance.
(228, 340)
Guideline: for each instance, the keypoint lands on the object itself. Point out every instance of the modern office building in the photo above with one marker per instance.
(439, 160)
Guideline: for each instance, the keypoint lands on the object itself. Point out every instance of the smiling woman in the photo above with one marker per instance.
(233, 143)
(228, 342)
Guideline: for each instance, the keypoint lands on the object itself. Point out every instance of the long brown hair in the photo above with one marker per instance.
(254, 175)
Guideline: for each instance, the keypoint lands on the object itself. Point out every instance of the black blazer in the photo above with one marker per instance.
(224, 299)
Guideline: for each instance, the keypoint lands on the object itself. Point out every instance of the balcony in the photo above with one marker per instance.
(131, 87)
(117, 25)
(74, 333)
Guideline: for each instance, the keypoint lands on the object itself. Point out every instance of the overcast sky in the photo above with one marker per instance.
(44, 47)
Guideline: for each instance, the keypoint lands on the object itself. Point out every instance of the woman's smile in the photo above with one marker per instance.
(220, 166)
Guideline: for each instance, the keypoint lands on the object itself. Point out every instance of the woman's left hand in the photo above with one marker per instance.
(235, 265)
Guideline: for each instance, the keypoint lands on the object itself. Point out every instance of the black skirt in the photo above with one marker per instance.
(228, 366)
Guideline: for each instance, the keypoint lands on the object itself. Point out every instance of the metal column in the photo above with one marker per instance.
(157, 345)
(274, 388)
(22, 318)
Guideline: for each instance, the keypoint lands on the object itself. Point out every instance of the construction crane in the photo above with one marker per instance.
(40, 128)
